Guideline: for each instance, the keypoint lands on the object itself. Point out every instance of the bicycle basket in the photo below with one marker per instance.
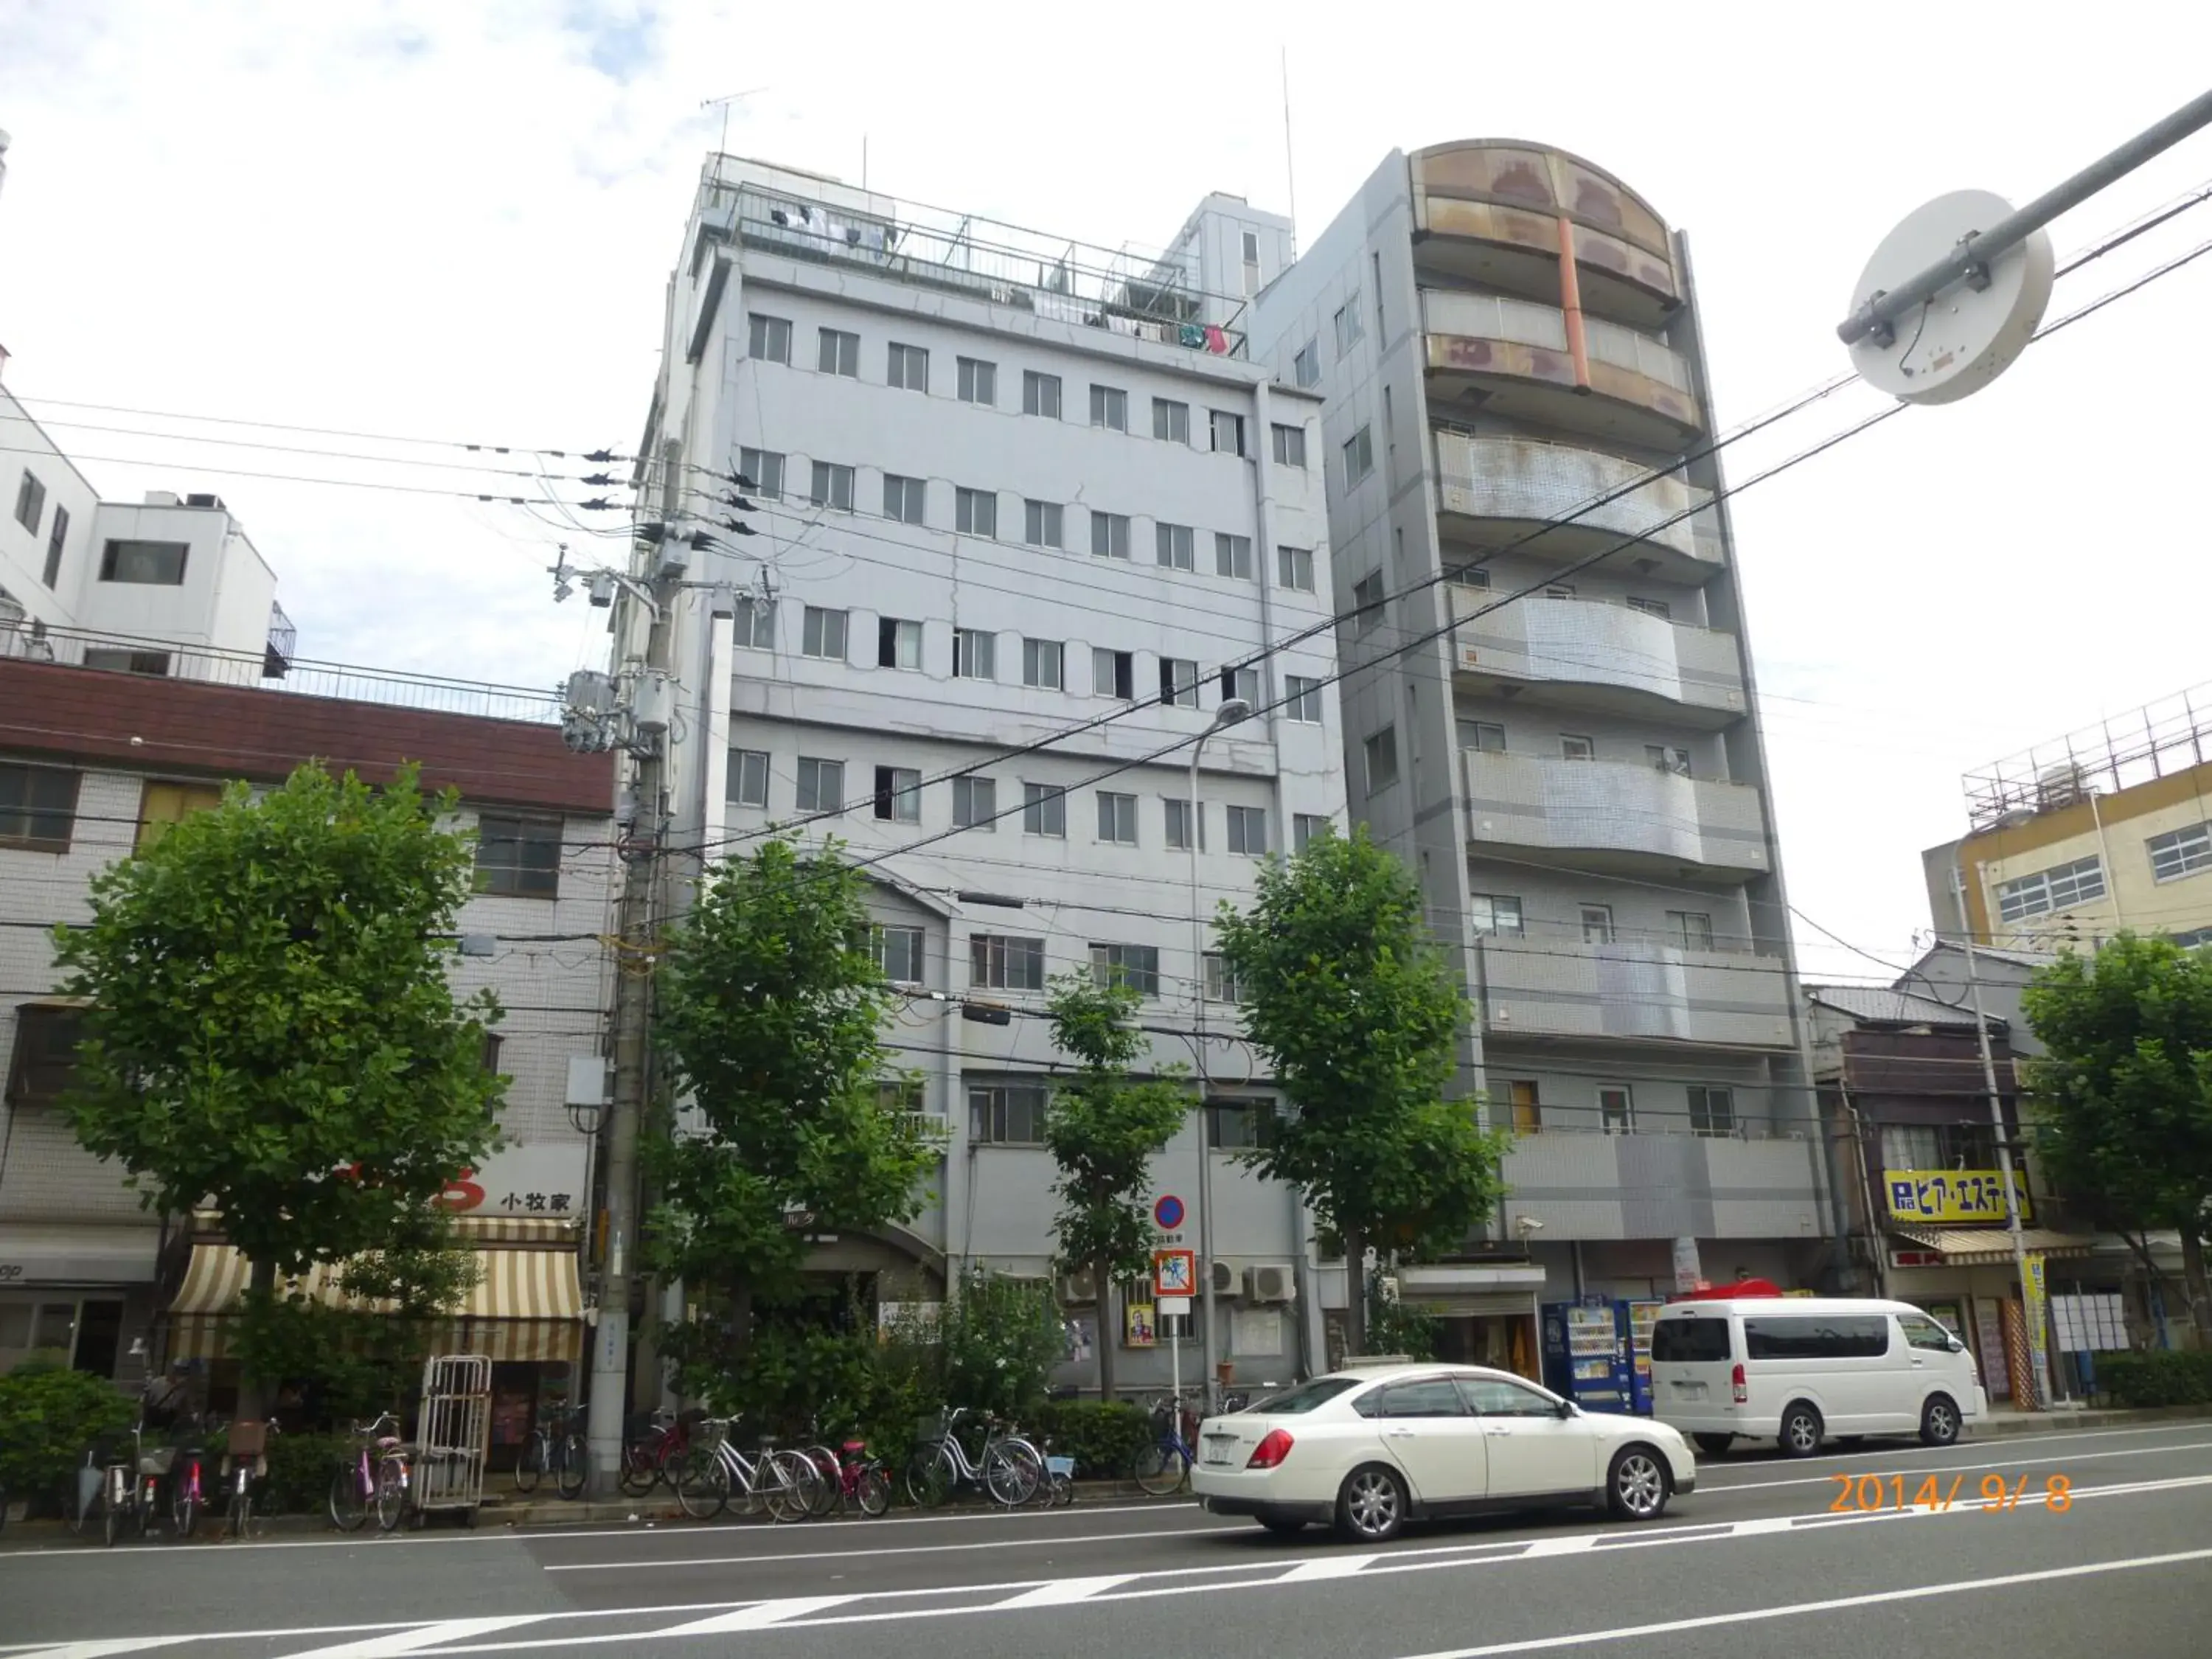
(247, 1440)
(935, 1427)
(1059, 1468)
(158, 1461)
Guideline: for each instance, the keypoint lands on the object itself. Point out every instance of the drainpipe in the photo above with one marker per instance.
(1571, 305)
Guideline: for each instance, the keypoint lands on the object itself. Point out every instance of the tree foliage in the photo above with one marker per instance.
(770, 1014)
(270, 1027)
(2123, 1098)
(1104, 1129)
(1357, 1014)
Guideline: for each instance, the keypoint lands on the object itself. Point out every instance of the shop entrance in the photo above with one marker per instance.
(1505, 1342)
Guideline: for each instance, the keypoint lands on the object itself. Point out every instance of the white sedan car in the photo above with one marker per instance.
(1369, 1448)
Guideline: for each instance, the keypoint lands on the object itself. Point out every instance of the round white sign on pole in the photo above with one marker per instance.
(1956, 343)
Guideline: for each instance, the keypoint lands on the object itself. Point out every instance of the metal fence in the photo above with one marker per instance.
(2171, 735)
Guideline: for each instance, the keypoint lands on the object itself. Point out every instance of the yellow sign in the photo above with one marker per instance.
(2038, 1306)
(1951, 1195)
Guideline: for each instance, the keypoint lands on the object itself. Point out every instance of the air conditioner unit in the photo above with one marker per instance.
(1225, 1278)
(1078, 1288)
(1271, 1281)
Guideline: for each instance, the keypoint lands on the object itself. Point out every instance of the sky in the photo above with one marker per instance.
(440, 219)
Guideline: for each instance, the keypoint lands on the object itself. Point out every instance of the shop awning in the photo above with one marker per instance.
(527, 1302)
(1971, 1244)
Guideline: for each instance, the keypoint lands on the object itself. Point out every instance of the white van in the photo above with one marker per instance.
(1798, 1370)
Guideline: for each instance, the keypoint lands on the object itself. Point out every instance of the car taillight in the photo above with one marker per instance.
(1270, 1451)
(1742, 1390)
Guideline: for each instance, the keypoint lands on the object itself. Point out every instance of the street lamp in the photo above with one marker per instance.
(1232, 710)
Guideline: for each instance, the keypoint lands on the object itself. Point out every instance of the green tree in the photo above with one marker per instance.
(2123, 1098)
(270, 1027)
(770, 1009)
(1103, 1128)
(1357, 1012)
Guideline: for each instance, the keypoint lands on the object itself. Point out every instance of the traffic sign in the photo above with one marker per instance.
(1175, 1273)
(1167, 1213)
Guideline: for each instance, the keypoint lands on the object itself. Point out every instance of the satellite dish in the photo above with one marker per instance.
(1969, 334)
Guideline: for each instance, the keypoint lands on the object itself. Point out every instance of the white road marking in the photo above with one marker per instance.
(1062, 1592)
(1327, 1566)
(1564, 1543)
(413, 1641)
(759, 1616)
(1715, 1490)
(1798, 1609)
(101, 1649)
(1045, 1541)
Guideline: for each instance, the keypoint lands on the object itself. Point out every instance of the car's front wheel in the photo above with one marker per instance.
(1636, 1485)
(1371, 1505)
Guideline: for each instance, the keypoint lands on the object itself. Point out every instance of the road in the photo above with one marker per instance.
(1755, 1562)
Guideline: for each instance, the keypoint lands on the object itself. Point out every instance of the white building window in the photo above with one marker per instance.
(1576, 747)
(1294, 568)
(1305, 367)
(898, 794)
(2180, 852)
(898, 643)
(822, 634)
(821, 784)
(1665, 758)
(1496, 914)
(1179, 816)
(1290, 446)
(1484, 736)
(1171, 420)
(1040, 394)
(1232, 556)
(979, 382)
(975, 654)
(1179, 681)
(1712, 1111)
(1616, 1110)
(1044, 664)
(1114, 674)
(905, 499)
(840, 354)
(1691, 929)
(1110, 535)
(898, 953)
(1117, 818)
(1379, 752)
(1227, 431)
(1241, 683)
(755, 627)
(1221, 986)
(1011, 1116)
(1468, 575)
(975, 512)
(1347, 325)
(907, 367)
(975, 803)
(1247, 830)
(1003, 962)
(768, 339)
(2058, 889)
(1305, 826)
(1109, 408)
(832, 486)
(1137, 966)
(1040, 523)
(1251, 240)
(748, 780)
(1358, 457)
(765, 468)
(1044, 809)
(1302, 698)
(1175, 545)
(1367, 604)
(1658, 608)
(1597, 924)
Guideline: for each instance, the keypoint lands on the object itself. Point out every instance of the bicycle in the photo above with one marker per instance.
(1164, 1466)
(132, 1488)
(662, 1444)
(785, 1482)
(852, 1478)
(556, 1445)
(1008, 1467)
(244, 1453)
(359, 1482)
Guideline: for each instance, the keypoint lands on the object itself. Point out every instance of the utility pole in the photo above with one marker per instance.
(1232, 709)
(2040, 1381)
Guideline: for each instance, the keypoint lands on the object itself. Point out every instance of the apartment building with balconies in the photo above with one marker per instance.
(1548, 702)
(1029, 514)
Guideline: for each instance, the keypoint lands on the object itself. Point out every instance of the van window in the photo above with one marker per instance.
(1922, 1331)
(1820, 1336)
(1690, 1341)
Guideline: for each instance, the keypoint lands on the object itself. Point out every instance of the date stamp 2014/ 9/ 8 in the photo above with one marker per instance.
(1867, 1494)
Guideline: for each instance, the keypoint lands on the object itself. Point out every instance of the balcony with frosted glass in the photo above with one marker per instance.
(1632, 990)
(1613, 817)
(1586, 654)
(1500, 356)
(1562, 502)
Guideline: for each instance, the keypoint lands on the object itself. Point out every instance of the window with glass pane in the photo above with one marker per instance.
(1305, 826)
(1117, 818)
(45, 1064)
(975, 654)
(1109, 408)
(1379, 752)
(1005, 962)
(1110, 535)
(1597, 924)
(840, 353)
(1044, 664)
(57, 542)
(822, 634)
(1137, 966)
(1294, 568)
(1227, 431)
(898, 953)
(2056, 888)
(1175, 545)
(1616, 1110)
(1241, 683)
(821, 784)
(765, 468)
(1302, 698)
(1178, 823)
(1247, 830)
(1358, 457)
(1484, 736)
(518, 856)
(1007, 1115)
(1468, 575)
(1290, 446)
(1305, 367)
(747, 784)
(1114, 674)
(1526, 1099)
(162, 806)
(1712, 1111)
(754, 626)
(975, 512)
(898, 794)
(832, 486)
(1495, 914)
(1367, 603)
(898, 643)
(1575, 747)
(1237, 1125)
(1493, 1396)
(1044, 809)
(975, 803)
(30, 501)
(1650, 607)
(1171, 420)
(908, 369)
(1347, 325)
(151, 564)
(1220, 983)
(1666, 758)
(1040, 394)
(1040, 522)
(979, 381)
(1232, 556)
(2180, 852)
(1692, 929)
(905, 499)
(1178, 682)
(767, 338)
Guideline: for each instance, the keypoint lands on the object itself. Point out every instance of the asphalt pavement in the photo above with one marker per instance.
(1966, 1552)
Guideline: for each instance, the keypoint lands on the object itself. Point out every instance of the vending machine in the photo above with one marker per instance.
(1586, 1352)
(1640, 1316)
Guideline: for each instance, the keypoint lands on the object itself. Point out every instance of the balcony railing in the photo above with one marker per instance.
(1649, 388)
(1584, 643)
(1647, 1186)
(1588, 499)
(1634, 990)
(1619, 807)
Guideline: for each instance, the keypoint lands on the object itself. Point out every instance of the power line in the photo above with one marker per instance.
(603, 456)
(279, 477)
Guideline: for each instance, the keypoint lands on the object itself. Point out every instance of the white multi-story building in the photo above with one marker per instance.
(1029, 513)
(1508, 344)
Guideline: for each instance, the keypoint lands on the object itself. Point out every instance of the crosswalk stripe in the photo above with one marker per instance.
(422, 1636)
(1327, 1566)
(759, 1616)
(103, 1648)
(1062, 1591)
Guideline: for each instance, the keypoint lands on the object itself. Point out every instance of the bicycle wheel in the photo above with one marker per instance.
(390, 1493)
(641, 1468)
(702, 1484)
(531, 1464)
(348, 1504)
(829, 1480)
(790, 1485)
(571, 1468)
(184, 1501)
(111, 1512)
(1012, 1470)
(873, 1490)
(241, 1519)
(1161, 1467)
(930, 1475)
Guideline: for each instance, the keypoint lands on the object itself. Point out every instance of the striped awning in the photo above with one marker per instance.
(527, 1303)
(1971, 1244)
